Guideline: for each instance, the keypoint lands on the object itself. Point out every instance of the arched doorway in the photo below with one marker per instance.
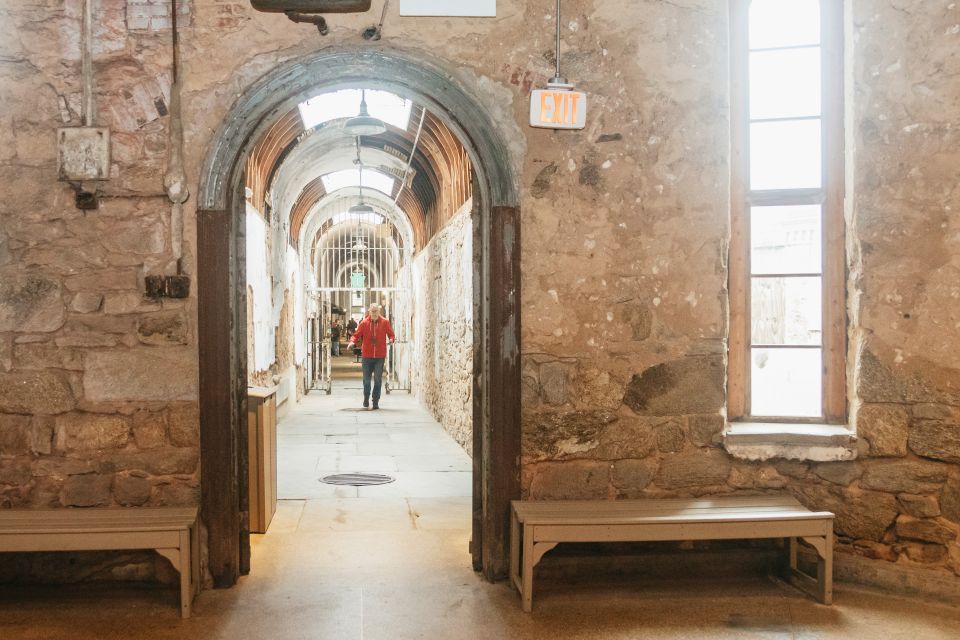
(222, 310)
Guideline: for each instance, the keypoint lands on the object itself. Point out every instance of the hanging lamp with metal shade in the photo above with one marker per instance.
(362, 208)
(364, 124)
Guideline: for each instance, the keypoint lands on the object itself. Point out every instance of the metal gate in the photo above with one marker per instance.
(359, 260)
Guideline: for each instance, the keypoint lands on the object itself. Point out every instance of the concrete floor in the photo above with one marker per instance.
(391, 562)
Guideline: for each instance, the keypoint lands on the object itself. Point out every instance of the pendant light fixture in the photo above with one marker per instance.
(364, 124)
(362, 208)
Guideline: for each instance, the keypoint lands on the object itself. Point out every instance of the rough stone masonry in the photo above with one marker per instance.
(624, 256)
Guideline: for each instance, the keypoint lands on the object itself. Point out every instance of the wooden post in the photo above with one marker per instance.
(218, 472)
(501, 424)
(479, 353)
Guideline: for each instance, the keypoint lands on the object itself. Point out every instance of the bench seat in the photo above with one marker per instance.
(539, 526)
(171, 532)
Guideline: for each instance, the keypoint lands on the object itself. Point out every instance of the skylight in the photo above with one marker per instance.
(345, 103)
(367, 218)
(351, 178)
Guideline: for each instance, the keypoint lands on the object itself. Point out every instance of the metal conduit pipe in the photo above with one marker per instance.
(86, 68)
(175, 179)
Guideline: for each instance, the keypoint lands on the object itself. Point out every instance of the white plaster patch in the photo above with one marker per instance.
(571, 165)
(572, 446)
(692, 299)
(657, 301)
(155, 15)
(609, 316)
(553, 294)
(606, 164)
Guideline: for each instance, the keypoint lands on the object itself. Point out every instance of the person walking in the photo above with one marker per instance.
(335, 330)
(373, 333)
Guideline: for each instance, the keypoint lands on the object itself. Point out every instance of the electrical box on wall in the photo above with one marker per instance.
(454, 8)
(83, 153)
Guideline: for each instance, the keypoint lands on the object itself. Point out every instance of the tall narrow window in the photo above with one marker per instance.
(787, 266)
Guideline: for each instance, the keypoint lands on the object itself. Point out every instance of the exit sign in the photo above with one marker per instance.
(558, 109)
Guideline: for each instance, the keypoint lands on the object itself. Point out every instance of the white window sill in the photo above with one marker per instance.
(792, 441)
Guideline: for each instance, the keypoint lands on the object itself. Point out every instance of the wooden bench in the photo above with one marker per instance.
(539, 526)
(171, 532)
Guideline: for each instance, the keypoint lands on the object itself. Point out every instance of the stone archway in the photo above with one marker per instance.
(222, 309)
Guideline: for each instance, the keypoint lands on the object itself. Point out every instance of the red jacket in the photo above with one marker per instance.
(372, 337)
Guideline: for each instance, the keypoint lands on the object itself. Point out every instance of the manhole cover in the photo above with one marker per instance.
(357, 479)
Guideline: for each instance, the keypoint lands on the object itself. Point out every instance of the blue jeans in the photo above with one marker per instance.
(335, 347)
(374, 367)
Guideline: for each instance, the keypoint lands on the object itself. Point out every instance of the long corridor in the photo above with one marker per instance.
(328, 434)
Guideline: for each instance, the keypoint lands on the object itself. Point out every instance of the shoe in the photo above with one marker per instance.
(366, 403)
(375, 406)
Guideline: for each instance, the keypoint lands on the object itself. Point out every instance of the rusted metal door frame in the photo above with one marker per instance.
(222, 309)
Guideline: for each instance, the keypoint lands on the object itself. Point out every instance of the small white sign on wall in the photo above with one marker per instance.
(456, 8)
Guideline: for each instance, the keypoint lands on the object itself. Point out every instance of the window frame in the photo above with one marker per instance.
(830, 196)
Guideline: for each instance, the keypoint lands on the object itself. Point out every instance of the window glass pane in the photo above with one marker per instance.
(785, 311)
(785, 239)
(351, 178)
(785, 155)
(785, 382)
(785, 84)
(346, 103)
(784, 23)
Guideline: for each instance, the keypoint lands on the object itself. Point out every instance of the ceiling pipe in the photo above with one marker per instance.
(307, 10)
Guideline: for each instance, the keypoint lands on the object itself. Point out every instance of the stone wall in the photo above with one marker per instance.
(625, 231)
(98, 384)
(442, 362)
(625, 397)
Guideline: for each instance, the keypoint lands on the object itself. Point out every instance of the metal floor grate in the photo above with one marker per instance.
(357, 479)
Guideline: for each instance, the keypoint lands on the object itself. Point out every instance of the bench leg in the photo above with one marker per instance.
(820, 587)
(526, 579)
(791, 555)
(515, 551)
(825, 570)
(186, 573)
(532, 554)
(177, 559)
(195, 557)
